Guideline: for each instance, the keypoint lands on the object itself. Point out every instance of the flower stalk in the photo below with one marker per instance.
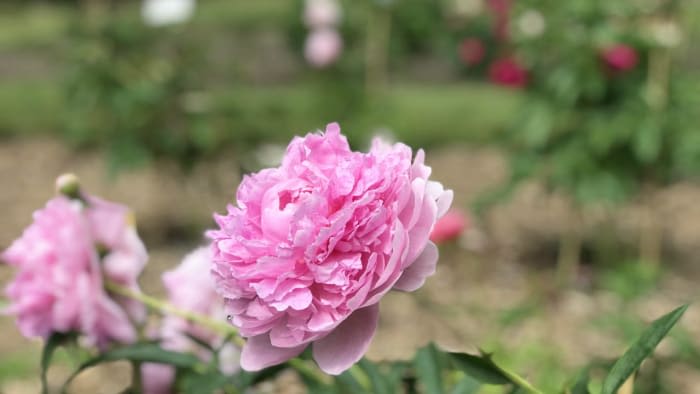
(223, 329)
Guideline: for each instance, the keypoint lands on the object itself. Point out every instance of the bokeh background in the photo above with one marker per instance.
(569, 130)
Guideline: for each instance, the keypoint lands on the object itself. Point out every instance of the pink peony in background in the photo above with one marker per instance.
(472, 51)
(323, 47)
(620, 57)
(450, 226)
(59, 281)
(313, 245)
(508, 72)
(190, 287)
(321, 13)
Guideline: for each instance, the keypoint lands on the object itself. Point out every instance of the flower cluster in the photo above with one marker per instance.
(313, 245)
(303, 259)
(62, 259)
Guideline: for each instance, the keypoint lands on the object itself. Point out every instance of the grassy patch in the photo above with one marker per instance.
(29, 107)
(244, 14)
(36, 26)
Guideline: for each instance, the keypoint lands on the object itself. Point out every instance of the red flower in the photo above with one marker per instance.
(472, 51)
(620, 57)
(450, 226)
(508, 72)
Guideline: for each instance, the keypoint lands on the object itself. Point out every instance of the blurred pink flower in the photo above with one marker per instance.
(472, 51)
(450, 226)
(620, 57)
(313, 245)
(501, 11)
(321, 13)
(113, 230)
(508, 72)
(58, 287)
(323, 47)
(157, 378)
(190, 287)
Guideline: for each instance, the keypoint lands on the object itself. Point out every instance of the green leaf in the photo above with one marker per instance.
(314, 382)
(483, 369)
(52, 343)
(580, 386)
(625, 366)
(347, 383)
(427, 364)
(141, 352)
(244, 379)
(204, 344)
(467, 385)
(202, 383)
(480, 368)
(378, 382)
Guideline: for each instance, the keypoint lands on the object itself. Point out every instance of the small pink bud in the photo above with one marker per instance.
(620, 57)
(68, 185)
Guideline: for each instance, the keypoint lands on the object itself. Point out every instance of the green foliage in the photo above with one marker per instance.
(631, 280)
(596, 132)
(428, 364)
(137, 91)
(626, 365)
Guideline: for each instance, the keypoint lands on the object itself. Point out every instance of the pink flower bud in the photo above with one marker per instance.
(323, 47)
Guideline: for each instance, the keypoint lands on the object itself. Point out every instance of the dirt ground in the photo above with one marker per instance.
(492, 271)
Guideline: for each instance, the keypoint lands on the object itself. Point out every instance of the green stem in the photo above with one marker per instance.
(520, 381)
(303, 368)
(136, 377)
(224, 329)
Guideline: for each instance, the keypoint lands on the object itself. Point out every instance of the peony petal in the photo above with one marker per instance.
(444, 202)
(346, 345)
(414, 276)
(420, 233)
(258, 353)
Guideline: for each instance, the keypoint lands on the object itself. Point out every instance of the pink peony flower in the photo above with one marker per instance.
(472, 51)
(508, 72)
(449, 226)
(58, 287)
(620, 57)
(313, 245)
(321, 13)
(190, 287)
(113, 229)
(323, 47)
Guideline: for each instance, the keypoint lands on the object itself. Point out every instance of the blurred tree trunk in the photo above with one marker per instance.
(377, 48)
